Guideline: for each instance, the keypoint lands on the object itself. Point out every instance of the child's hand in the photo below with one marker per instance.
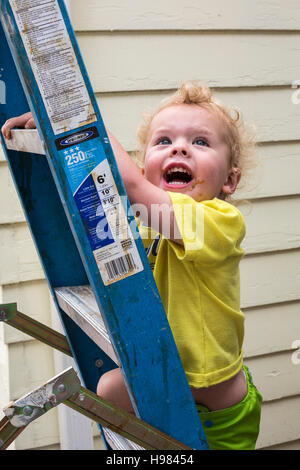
(25, 121)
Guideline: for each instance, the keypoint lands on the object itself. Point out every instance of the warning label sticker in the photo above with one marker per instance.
(101, 209)
(54, 63)
(121, 258)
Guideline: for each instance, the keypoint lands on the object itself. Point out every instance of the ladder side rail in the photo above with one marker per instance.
(38, 195)
(37, 191)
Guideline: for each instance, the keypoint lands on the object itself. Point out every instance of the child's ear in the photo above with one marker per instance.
(232, 181)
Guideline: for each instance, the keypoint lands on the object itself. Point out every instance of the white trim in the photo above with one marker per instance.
(75, 430)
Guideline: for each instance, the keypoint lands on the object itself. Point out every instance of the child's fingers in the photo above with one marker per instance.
(30, 124)
(25, 120)
(8, 125)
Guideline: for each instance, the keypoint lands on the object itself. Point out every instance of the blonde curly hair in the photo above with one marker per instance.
(239, 136)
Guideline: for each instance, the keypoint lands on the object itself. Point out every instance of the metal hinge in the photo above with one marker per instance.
(66, 388)
(26, 409)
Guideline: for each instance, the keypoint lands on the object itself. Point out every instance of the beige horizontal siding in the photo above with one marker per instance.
(270, 278)
(270, 110)
(10, 206)
(275, 376)
(270, 226)
(189, 15)
(23, 293)
(280, 422)
(19, 259)
(273, 175)
(271, 328)
(290, 445)
(144, 61)
(34, 366)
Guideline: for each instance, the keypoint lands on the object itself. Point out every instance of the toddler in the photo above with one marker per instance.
(194, 154)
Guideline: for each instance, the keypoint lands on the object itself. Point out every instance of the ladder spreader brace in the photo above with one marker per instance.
(82, 224)
(11, 316)
(66, 388)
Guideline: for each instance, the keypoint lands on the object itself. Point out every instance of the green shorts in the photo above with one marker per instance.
(237, 427)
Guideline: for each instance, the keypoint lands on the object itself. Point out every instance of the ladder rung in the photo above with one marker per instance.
(79, 303)
(25, 140)
(118, 442)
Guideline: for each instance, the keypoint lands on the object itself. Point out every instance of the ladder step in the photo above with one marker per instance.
(25, 140)
(79, 303)
(118, 442)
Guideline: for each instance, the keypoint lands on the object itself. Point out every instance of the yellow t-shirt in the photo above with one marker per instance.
(199, 285)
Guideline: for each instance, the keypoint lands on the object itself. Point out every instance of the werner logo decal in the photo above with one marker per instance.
(76, 138)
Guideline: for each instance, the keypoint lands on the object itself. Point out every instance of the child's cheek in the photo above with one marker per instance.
(151, 172)
(152, 165)
(208, 182)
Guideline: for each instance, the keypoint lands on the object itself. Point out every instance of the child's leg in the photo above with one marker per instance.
(111, 387)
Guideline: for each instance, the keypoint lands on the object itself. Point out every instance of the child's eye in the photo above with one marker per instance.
(163, 141)
(200, 141)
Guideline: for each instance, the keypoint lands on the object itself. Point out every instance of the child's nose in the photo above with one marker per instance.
(178, 150)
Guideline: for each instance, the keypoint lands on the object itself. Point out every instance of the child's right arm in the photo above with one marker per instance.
(24, 121)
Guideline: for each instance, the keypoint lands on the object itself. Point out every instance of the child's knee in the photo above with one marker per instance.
(111, 387)
(104, 386)
(111, 384)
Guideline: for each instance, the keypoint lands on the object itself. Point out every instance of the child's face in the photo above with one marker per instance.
(186, 153)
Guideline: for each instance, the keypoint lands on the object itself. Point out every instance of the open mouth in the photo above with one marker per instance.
(177, 175)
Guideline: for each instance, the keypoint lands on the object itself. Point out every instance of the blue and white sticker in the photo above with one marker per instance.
(102, 212)
(54, 64)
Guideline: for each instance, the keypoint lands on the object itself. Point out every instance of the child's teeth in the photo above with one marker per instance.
(183, 170)
(174, 179)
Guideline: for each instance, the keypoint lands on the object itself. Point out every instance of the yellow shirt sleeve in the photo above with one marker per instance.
(211, 230)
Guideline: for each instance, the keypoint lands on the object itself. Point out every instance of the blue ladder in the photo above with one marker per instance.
(70, 197)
